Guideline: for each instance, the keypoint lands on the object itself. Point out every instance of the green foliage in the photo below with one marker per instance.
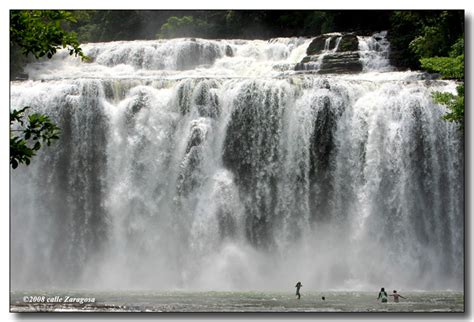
(434, 36)
(451, 68)
(458, 48)
(429, 43)
(87, 32)
(305, 22)
(455, 103)
(41, 33)
(26, 135)
(111, 25)
(323, 19)
(316, 22)
(176, 26)
(186, 26)
(404, 27)
(427, 33)
(85, 26)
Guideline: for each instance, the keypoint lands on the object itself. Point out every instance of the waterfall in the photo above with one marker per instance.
(198, 164)
(374, 52)
(317, 65)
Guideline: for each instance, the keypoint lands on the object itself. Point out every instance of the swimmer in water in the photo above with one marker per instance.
(396, 296)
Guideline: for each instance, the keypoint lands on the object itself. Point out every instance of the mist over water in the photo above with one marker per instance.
(192, 164)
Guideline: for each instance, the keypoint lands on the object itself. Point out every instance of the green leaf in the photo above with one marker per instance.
(36, 127)
(455, 104)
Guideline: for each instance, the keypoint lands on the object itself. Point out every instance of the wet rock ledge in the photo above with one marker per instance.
(340, 60)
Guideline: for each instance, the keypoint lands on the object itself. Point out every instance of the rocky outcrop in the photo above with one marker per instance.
(341, 62)
(332, 53)
(348, 42)
(316, 46)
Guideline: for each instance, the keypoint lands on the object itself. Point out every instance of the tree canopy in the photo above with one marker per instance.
(40, 33)
(415, 34)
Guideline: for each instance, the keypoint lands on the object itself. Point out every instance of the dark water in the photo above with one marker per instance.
(437, 301)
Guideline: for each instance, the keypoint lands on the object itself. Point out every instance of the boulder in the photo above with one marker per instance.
(317, 45)
(349, 42)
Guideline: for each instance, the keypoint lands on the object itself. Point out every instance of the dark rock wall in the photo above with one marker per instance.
(345, 59)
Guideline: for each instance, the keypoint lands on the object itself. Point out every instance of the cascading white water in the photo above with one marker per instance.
(206, 164)
(374, 52)
(317, 65)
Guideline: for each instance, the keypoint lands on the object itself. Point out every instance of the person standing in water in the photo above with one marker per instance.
(396, 296)
(298, 286)
(383, 295)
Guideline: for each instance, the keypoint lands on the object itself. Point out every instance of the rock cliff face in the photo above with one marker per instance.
(332, 53)
(341, 62)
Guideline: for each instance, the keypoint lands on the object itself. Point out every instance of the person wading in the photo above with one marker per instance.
(396, 296)
(383, 295)
(298, 286)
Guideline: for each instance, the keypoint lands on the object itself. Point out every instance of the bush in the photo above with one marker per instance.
(450, 68)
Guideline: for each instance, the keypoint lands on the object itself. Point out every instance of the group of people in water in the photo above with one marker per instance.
(382, 294)
(384, 298)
